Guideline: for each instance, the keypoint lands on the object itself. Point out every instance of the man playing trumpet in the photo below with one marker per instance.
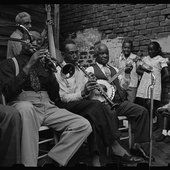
(34, 93)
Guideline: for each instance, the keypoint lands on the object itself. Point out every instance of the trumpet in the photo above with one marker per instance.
(100, 89)
(51, 64)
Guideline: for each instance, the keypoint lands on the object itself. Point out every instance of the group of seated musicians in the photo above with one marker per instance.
(76, 105)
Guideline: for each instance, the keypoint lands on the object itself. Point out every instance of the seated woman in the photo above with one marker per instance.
(165, 113)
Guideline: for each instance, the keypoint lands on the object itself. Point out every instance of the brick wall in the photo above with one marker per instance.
(140, 22)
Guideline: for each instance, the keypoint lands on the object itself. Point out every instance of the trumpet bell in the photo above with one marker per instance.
(67, 71)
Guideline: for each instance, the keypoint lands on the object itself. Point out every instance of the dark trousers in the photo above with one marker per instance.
(139, 117)
(147, 103)
(10, 136)
(102, 122)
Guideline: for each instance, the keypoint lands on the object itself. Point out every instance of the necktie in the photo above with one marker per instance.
(107, 72)
(35, 84)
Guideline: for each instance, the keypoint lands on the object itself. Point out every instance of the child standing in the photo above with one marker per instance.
(128, 57)
(157, 65)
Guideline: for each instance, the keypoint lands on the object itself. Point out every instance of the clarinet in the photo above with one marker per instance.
(100, 89)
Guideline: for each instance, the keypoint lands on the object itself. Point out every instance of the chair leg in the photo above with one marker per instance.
(130, 134)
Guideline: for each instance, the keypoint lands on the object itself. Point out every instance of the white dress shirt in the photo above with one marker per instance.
(70, 89)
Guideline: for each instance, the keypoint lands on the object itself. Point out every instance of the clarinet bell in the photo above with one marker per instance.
(114, 106)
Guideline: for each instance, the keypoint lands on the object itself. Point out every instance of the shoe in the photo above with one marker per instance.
(167, 139)
(81, 165)
(126, 159)
(48, 162)
(139, 151)
(160, 138)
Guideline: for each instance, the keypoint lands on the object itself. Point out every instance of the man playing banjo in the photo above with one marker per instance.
(135, 113)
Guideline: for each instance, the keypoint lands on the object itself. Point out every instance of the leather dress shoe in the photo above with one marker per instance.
(139, 151)
(48, 162)
(126, 159)
(160, 138)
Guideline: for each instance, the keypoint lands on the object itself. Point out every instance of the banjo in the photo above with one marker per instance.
(107, 87)
(106, 84)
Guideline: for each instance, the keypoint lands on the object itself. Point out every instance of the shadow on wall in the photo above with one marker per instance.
(85, 41)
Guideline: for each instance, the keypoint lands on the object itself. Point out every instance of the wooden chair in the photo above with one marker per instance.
(47, 139)
(43, 140)
(43, 129)
(129, 128)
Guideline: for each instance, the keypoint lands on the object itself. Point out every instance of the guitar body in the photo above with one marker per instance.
(108, 88)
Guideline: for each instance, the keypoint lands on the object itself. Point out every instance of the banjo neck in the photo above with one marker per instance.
(122, 70)
(116, 75)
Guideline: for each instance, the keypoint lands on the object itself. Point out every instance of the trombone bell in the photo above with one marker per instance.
(67, 71)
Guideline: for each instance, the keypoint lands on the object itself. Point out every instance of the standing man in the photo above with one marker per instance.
(14, 48)
(33, 93)
(135, 113)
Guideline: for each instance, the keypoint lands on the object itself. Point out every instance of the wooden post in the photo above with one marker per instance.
(56, 25)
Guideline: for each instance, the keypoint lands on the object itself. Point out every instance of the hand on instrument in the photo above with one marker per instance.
(49, 22)
(89, 86)
(37, 55)
(128, 68)
(44, 33)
